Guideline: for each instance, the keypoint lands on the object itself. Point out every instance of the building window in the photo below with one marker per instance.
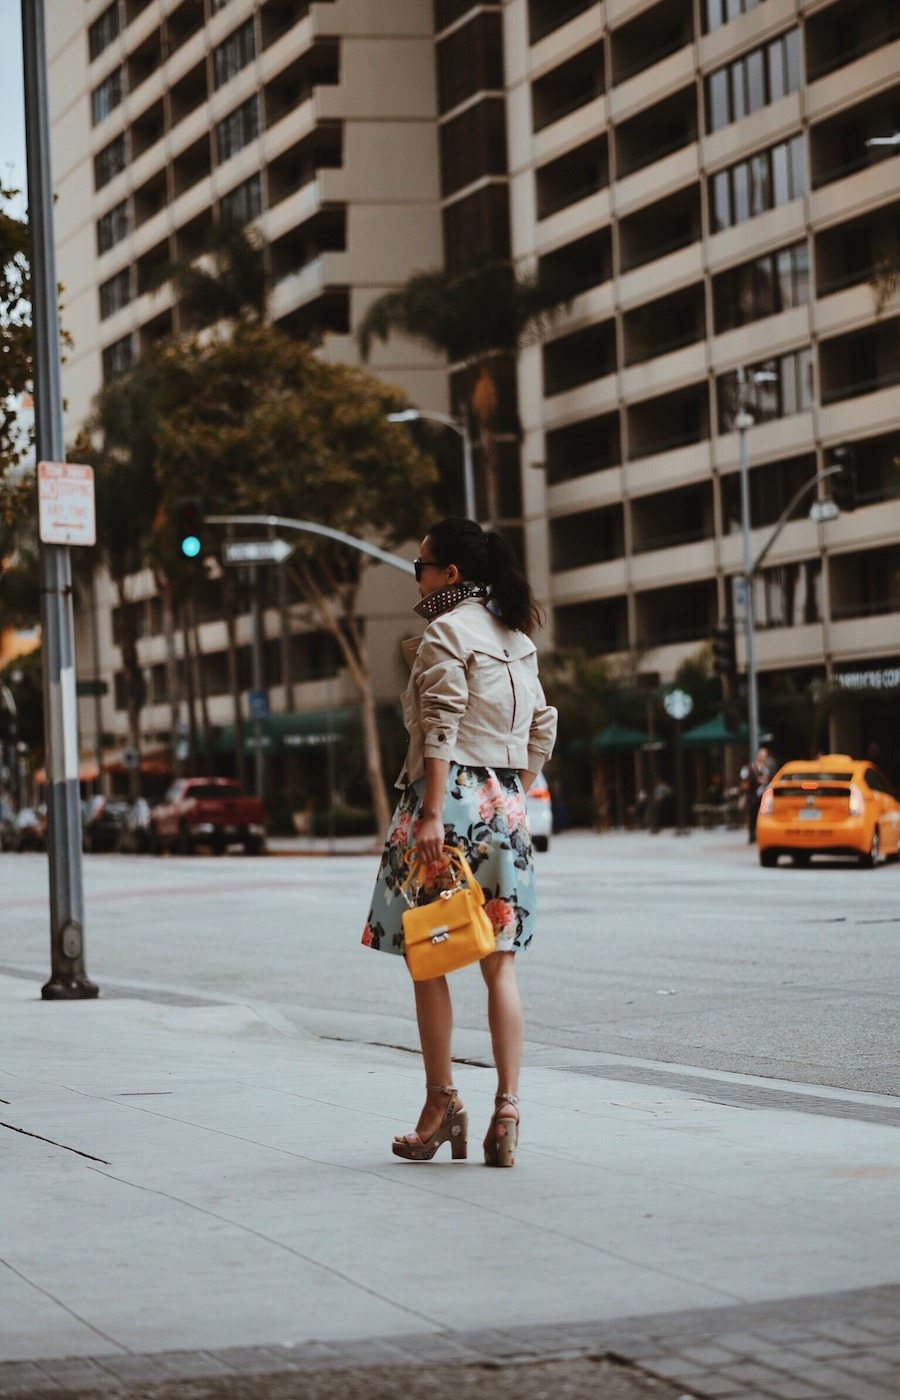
(238, 129)
(107, 95)
(790, 596)
(719, 12)
(118, 358)
(762, 287)
(111, 161)
(234, 53)
(112, 227)
(104, 30)
(753, 81)
(243, 203)
(765, 181)
(115, 293)
(789, 392)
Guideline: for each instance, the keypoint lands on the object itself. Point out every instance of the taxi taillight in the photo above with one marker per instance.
(765, 806)
(857, 801)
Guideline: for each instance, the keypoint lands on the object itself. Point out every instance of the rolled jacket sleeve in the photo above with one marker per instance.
(542, 735)
(443, 693)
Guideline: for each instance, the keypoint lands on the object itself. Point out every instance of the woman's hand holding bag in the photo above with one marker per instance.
(451, 931)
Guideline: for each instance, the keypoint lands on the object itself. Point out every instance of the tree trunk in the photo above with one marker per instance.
(346, 633)
(134, 683)
(200, 686)
(484, 407)
(164, 589)
(189, 686)
(229, 607)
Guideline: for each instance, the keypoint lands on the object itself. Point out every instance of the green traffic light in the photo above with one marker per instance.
(190, 546)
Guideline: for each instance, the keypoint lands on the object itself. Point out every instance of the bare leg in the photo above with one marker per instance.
(434, 1013)
(506, 1022)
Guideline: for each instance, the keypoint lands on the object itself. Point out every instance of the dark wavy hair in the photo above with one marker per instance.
(485, 556)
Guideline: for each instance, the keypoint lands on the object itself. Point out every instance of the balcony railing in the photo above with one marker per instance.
(840, 60)
(572, 105)
(861, 386)
(873, 607)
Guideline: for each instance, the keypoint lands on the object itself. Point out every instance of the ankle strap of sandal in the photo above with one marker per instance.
(442, 1088)
(507, 1098)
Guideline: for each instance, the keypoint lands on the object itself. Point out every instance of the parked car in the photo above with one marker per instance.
(102, 820)
(134, 837)
(213, 812)
(831, 806)
(539, 809)
(28, 831)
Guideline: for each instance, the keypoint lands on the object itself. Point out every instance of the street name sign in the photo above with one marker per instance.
(258, 704)
(820, 511)
(257, 551)
(66, 504)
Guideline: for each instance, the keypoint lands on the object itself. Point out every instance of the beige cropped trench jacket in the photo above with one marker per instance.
(474, 695)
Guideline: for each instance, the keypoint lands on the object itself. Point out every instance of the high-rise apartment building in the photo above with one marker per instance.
(715, 184)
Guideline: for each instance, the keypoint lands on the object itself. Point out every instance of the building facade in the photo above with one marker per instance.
(715, 182)
(711, 182)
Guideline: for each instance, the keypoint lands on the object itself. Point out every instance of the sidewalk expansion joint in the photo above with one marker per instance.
(64, 1146)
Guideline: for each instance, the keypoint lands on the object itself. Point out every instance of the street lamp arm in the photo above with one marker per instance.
(311, 527)
(785, 514)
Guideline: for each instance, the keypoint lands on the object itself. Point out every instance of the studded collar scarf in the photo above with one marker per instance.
(443, 599)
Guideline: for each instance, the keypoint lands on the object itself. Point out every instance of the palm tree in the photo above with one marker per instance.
(477, 316)
(228, 281)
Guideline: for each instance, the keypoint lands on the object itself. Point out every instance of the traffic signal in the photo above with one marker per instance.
(189, 526)
(724, 660)
(843, 483)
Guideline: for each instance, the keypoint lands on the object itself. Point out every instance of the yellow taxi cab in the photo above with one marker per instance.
(829, 806)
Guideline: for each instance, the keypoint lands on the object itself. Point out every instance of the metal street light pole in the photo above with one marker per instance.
(744, 420)
(458, 426)
(68, 976)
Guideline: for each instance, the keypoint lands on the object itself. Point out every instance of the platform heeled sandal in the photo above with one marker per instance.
(453, 1128)
(502, 1134)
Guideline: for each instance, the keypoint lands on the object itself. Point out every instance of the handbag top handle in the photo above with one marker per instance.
(457, 857)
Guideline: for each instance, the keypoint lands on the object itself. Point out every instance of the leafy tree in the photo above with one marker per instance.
(118, 441)
(257, 423)
(477, 317)
(15, 353)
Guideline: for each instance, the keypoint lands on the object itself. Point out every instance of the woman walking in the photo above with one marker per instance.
(479, 729)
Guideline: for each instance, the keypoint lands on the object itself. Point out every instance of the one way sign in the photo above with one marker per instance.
(257, 551)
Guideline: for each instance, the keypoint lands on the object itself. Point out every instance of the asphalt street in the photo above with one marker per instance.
(679, 950)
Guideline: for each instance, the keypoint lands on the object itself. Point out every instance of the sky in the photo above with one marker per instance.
(12, 115)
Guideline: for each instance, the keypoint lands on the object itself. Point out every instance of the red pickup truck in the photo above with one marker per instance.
(207, 812)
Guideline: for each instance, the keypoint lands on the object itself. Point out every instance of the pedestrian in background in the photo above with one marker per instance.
(479, 730)
(755, 778)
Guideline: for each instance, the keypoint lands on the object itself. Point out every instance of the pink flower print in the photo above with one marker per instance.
(515, 811)
(501, 914)
(367, 936)
(400, 833)
(490, 800)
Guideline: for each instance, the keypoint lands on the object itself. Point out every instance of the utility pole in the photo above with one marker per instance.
(68, 975)
(258, 643)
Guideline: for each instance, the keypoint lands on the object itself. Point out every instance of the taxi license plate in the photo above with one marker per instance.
(809, 814)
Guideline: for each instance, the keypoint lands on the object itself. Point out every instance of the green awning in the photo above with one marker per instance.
(294, 731)
(714, 734)
(618, 738)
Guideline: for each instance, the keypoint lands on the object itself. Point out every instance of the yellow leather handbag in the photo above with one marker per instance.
(450, 932)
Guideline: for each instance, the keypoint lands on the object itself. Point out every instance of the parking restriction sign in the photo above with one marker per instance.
(66, 503)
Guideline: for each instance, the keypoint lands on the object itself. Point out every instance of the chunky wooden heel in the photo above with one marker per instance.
(502, 1134)
(453, 1128)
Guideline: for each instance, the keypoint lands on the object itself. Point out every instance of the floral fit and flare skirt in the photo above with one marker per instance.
(484, 813)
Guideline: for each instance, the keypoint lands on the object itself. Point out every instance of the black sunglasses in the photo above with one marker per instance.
(420, 565)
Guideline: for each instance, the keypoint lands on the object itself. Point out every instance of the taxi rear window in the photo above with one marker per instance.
(817, 778)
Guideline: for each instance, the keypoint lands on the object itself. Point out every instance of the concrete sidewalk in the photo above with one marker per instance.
(195, 1187)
